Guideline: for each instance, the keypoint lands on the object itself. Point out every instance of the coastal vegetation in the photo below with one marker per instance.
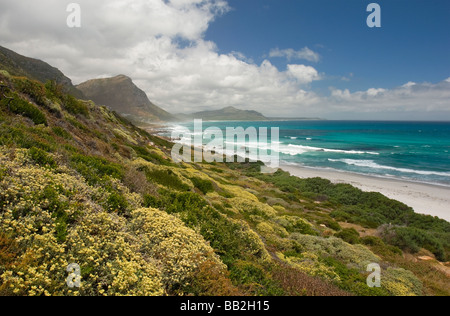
(80, 184)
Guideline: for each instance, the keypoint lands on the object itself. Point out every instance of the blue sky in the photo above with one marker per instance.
(413, 43)
(290, 58)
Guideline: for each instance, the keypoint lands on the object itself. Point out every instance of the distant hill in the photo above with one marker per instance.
(123, 96)
(296, 119)
(226, 114)
(19, 65)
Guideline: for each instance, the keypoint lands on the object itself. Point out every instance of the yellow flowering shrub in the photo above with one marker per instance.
(309, 263)
(400, 282)
(109, 258)
(120, 132)
(164, 237)
(357, 256)
(269, 229)
(54, 218)
(255, 245)
(252, 207)
(279, 208)
(293, 223)
(190, 172)
(238, 192)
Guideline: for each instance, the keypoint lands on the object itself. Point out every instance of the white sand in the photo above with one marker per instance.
(423, 198)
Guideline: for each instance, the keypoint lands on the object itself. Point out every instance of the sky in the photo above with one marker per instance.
(289, 58)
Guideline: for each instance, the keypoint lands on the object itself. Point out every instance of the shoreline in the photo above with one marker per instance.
(424, 198)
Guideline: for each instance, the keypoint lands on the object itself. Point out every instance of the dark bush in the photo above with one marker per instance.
(117, 203)
(33, 89)
(95, 169)
(18, 106)
(42, 158)
(255, 279)
(58, 210)
(204, 186)
(145, 154)
(166, 178)
(61, 132)
(349, 235)
(413, 239)
(75, 106)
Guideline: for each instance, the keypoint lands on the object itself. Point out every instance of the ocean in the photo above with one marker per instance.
(414, 151)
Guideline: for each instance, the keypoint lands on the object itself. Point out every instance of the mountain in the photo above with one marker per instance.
(123, 96)
(36, 69)
(226, 114)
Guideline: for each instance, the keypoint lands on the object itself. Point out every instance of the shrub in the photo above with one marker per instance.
(95, 169)
(77, 124)
(75, 106)
(61, 132)
(310, 263)
(297, 283)
(204, 186)
(349, 235)
(166, 178)
(54, 90)
(25, 108)
(149, 156)
(179, 248)
(294, 224)
(42, 158)
(8, 252)
(413, 239)
(355, 255)
(352, 280)
(400, 282)
(330, 223)
(255, 279)
(231, 239)
(33, 89)
(117, 203)
(211, 280)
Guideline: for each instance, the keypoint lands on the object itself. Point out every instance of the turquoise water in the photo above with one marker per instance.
(417, 151)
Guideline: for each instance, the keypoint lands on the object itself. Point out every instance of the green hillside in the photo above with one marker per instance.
(39, 70)
(80, 184)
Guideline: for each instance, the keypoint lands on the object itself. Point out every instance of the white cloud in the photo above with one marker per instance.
(304, 74)
(410, 97)
(409, 84)
(291, 54)
(161, 45)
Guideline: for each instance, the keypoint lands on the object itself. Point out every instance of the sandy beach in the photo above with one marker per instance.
(423, 198)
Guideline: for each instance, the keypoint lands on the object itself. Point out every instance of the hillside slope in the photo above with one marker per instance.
(80, 184)
(123, 96)
(19, 65)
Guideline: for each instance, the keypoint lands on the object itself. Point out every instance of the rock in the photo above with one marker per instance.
(426, 258)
